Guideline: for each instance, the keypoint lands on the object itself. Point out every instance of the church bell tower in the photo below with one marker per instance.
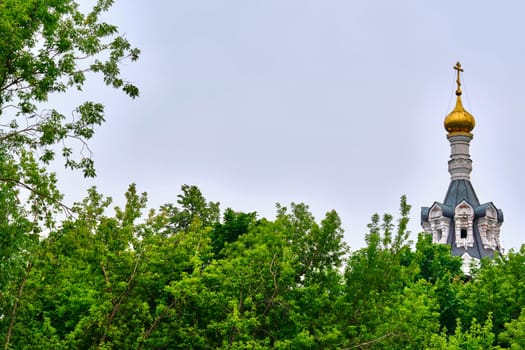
(471, 229)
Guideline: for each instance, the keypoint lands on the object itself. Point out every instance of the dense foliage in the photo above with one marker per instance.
(183, 276)
(180, 277)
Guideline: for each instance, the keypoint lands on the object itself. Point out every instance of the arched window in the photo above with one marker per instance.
(438, 224)
(463, 220)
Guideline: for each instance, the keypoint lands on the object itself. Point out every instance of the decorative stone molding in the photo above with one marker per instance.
(460, 168)
(438, 225)
(489, 229)
(440, 229)
(460, 164)
(464, 219)
(468, 263)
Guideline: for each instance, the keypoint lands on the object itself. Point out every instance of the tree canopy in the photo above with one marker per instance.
(184, 277)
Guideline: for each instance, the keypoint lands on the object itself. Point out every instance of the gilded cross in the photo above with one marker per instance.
(458, 68)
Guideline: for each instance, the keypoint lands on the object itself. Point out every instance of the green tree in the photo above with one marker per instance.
(384, 304)
(47, 47)
(18, 236)
(496, 289)
(82, 283)
(275, 286)
(476, 337)
(51, 47)
(191, 205)
(513, 336)
(233, 225)
(436, 265)
(317, 248)
(384, 265)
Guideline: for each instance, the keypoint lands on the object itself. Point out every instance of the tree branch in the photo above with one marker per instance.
(275, 287)
(15, 307)
(67, 210)
(361, 345)
(155, 323)
(118, 302)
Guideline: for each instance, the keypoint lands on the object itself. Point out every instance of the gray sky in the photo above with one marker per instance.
(338, 104)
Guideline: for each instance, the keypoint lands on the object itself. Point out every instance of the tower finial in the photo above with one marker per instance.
(459, 120)
(458, 68)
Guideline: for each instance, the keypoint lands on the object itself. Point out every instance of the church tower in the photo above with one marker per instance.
(471, 229)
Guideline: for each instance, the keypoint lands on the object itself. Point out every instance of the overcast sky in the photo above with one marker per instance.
(337, 104)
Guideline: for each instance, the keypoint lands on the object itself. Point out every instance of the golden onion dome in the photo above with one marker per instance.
(459, 120)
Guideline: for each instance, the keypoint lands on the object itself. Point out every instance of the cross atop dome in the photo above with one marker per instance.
(458, 68)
